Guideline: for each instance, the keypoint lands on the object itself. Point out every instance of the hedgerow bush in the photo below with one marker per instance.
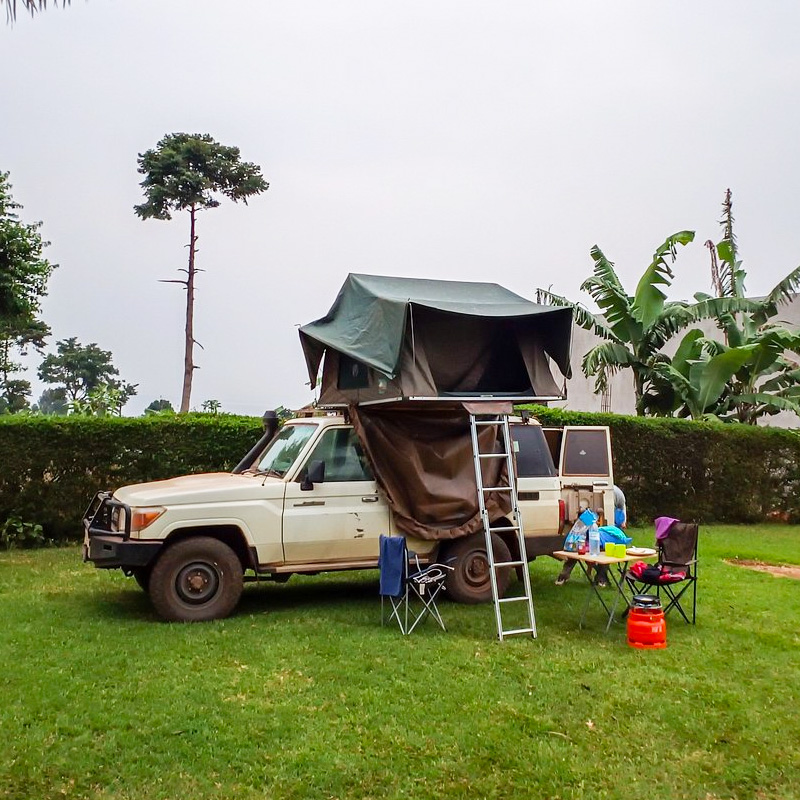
(51, 467)
(702, 471)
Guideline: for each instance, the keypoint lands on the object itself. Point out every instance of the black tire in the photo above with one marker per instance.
(470, 582)
(195, 580)
(142, 576)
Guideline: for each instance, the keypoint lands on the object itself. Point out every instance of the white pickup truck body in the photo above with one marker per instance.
(193, 540)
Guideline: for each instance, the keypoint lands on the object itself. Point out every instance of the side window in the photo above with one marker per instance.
(343, 455)
(586, 453)
(533, 454)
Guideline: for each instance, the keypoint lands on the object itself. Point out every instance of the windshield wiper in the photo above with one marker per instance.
(269, 473)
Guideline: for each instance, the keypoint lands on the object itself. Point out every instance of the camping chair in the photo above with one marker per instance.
(676, 570)
(410, 588)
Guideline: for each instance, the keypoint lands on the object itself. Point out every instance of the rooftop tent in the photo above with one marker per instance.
(408, 338)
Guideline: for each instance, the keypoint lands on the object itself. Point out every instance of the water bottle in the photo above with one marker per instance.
(594, 540)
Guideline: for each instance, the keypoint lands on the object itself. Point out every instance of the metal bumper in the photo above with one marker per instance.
(108, 548)
(109, 551)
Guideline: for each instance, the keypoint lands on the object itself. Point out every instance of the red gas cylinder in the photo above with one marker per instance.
(647, 628)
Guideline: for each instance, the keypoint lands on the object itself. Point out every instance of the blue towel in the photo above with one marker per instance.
(612, 534)
(392, 563)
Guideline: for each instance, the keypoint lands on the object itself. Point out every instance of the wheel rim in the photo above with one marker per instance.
(197, 583)
(476, 569)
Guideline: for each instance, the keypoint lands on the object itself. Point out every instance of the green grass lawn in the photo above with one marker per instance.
(302, 694)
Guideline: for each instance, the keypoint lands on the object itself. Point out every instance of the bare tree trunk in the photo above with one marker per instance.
(188, 360)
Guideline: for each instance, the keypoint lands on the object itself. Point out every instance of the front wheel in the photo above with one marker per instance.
(470, 580)
(196, 580)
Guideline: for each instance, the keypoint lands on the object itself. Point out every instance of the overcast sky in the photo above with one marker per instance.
(488, 141)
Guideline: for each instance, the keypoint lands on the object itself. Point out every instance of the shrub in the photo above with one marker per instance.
(51, 467)
(703, 471)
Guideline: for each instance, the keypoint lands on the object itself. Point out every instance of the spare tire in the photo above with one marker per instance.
(470, 581)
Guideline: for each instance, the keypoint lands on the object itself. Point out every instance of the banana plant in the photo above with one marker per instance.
(633, 328)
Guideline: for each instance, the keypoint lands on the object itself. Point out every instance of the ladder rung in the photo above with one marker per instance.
(506, 528)
(492, 455)
(498, 564)
(513, 599)
(496, 488)
(488, 422)
(518, 630)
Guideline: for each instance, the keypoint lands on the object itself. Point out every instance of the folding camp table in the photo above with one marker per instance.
(619, 568)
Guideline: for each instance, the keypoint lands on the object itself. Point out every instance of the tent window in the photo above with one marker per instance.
(352, 374)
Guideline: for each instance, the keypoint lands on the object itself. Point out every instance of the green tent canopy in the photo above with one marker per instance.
(395, 339)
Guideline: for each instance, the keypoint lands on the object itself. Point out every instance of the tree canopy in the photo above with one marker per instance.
(190, 170)
(24, 272)
(87, 376)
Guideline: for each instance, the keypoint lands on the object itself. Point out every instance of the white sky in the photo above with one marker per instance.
(457, 140)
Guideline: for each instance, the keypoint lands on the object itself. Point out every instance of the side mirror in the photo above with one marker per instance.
(314, 474)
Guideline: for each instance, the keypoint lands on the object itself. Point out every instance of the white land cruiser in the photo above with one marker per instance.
(308, 503)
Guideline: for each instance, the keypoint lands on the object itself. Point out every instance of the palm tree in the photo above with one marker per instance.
(29, 5)
(749, 374)
(633, 328)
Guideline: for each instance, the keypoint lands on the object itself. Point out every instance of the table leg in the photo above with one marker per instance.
(592, 588)
(619, 584)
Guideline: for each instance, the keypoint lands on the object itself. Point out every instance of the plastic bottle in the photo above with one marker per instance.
(594, 540)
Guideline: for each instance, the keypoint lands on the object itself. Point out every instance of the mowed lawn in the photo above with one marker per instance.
(302, 694)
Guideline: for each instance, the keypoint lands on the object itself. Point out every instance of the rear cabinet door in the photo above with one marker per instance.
(585, 469)
(538, 487)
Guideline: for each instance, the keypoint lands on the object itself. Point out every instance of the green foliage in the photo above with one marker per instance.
(23, 269)
(634, 328)
(746, 376)
(14, 532)
(211, 406)
(703, 471)
(52, 401)
(160, 406)
(23, 282)
(189, 170)
(88, 378)
(50, 467)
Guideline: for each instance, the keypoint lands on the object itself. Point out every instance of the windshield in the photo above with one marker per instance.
(284, 449)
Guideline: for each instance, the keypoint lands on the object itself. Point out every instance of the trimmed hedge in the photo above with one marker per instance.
(51, 467)
(701, 471)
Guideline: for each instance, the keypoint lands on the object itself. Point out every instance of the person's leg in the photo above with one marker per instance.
(566, 571)
(601, 574)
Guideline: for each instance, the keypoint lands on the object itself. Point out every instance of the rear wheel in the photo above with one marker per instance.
(470, 580)
(196, 580)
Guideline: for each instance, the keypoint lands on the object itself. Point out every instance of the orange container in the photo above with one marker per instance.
(647, 628)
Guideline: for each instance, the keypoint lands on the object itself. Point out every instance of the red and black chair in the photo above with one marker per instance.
(675, 574)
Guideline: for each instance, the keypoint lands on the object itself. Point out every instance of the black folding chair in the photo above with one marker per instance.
(410, 588)
(675, 574)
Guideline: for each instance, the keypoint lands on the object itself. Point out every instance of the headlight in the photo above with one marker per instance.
(145, 516)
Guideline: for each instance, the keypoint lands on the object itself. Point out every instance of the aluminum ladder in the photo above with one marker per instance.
(500, 421)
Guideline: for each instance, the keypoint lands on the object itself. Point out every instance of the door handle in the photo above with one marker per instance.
(373, 498)
(309, 503)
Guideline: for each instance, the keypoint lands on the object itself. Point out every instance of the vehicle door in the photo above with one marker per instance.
(585, 469)
(340, 517)
(538, 486)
